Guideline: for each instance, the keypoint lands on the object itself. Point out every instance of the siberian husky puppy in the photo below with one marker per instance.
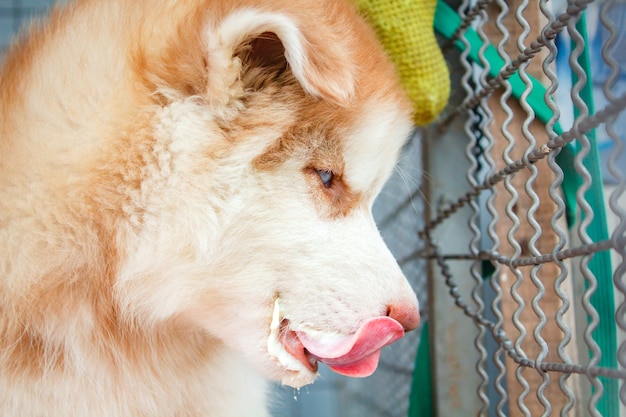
(185, 206)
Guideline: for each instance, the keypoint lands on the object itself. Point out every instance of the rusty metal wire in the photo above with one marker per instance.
(586, 125)
(548, 34)
(506, 343)
(469, 16)
(491, 176)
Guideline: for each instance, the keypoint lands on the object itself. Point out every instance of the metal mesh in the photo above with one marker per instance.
(547, 304)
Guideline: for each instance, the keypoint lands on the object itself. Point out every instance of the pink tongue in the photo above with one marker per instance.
(354, 355)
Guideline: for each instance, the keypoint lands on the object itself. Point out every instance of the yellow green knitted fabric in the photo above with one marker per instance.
(405, 27)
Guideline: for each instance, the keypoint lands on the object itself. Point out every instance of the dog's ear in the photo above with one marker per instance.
(268, 43)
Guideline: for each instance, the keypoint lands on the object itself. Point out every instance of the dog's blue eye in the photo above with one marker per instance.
(326, 176)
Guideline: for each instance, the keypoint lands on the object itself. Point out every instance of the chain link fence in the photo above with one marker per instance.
(540, 274)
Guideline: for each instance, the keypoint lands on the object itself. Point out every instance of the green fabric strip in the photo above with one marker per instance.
(421, 401)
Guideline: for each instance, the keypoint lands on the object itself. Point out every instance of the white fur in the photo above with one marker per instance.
(368, 163)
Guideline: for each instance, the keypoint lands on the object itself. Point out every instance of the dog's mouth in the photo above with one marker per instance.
(354, 355)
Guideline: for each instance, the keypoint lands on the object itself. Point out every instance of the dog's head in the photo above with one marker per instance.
(248, 189)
